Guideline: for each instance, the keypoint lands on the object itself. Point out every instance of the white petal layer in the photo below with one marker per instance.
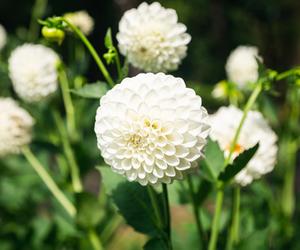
(3, 37)
(152, 39)
(150, 128)
(242, 67)
(223, 126)
(15, 127)
(32, 69)
(82, 20)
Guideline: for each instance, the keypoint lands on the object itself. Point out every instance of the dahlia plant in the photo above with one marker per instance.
(152, 130)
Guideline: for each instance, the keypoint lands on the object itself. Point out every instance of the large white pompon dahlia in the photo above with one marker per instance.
(3, 37)
(152, 39)
(151, 128)
(82, 20)
(241, 66)
(33, 72)
(224, 124)
(15, 127)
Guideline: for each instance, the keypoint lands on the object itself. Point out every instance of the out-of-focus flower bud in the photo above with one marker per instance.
(53, 34)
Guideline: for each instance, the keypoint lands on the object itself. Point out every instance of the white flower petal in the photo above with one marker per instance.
(32, 69)
(15, 127)
(144, 141)
(152, 40)
(255, 129)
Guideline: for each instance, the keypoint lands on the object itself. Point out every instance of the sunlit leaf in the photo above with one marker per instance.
(93, 90)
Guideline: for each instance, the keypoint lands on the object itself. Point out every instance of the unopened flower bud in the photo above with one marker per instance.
(53, 34)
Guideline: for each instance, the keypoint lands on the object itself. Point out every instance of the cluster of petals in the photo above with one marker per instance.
(82, 20)
(152, 39)
(151, 128)
(224, 124)
(15, 127)
(33, 72)
(3, 37)
(242, 66)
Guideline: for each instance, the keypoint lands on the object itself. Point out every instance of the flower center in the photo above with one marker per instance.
(136, 140)
(236, 150)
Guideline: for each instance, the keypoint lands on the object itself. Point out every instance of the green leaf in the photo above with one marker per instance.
(110, 179)
(89, 210)
(134, 204)
(155, 244)
(93, 90)
(238, 164)
(257, 240)
(108, 42)
(213, 162)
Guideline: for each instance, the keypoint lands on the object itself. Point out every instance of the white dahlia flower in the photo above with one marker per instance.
(241, 65)
(3, 37)
(224, 124)
(82, 20)
(151, 128)
(33, 71)
(15, 127)
(152, 39)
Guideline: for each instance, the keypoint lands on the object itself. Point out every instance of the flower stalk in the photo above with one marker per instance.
(75, 175)
(94, 239)
(216, 220)
(167, 215)
(234, 227)
(202, 238)
(69, 107)
(49, 182)
(92, 50)
(220, 193)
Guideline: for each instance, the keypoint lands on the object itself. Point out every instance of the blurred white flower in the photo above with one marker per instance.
(224, 124)
(151, 128)
(33, 71)
(15, 127)
(82, 20)
(241, 65)
(152, 39)
(3, 37)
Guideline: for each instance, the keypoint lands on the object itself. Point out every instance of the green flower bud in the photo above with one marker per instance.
(53, 34)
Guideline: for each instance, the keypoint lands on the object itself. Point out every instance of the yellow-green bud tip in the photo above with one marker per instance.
(53, 34)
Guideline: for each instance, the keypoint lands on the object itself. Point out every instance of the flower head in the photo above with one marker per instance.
(33, 71)
(82, 20)
(15, 127)
(224, 124)
(241, 65)
(3, 37)
(152, 39)
(151, 128)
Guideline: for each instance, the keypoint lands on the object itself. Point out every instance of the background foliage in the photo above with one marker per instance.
(31, 219)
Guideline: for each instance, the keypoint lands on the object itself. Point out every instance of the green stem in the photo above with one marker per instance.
(69, 107)
(247, 108)
(288, 193)
(234, 228)
(92, 51)
(49, 182)
(220, 194)
(154, 203)
(167, 214)
(75, 175)
(120, 74)
(94, 239)
(201, 234)
(38, 10)
(216, 220)
(111, 228)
